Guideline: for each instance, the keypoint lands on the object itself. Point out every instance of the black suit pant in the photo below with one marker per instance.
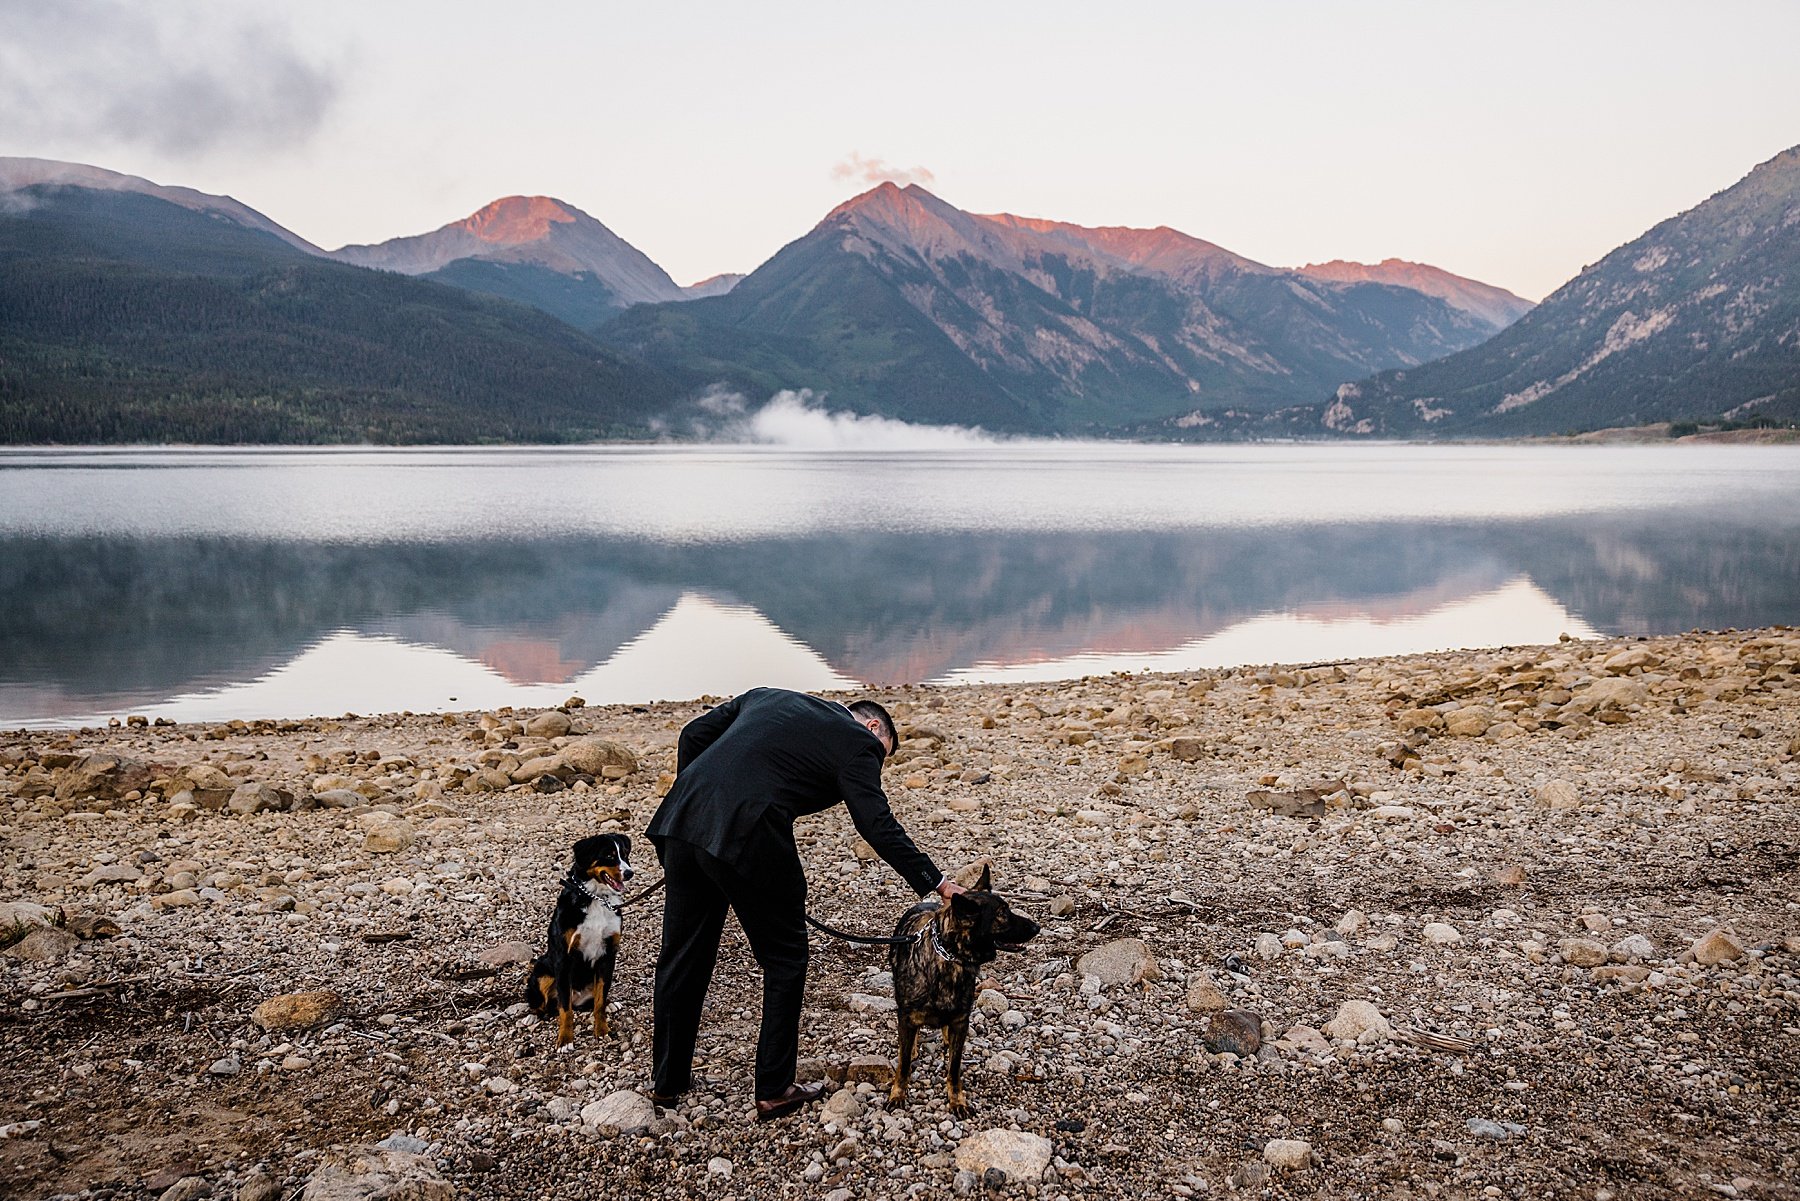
(771, 908)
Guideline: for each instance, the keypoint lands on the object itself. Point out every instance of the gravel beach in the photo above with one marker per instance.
(1511, 923)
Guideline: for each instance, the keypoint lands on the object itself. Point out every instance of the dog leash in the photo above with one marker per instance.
(861, 940)
(654, 888)
(864, 940)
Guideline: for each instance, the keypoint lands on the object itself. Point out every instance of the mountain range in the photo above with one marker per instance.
(1697, 320)
(134, 311)
(901, 304)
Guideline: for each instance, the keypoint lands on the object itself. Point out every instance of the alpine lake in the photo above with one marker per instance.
(210, 584)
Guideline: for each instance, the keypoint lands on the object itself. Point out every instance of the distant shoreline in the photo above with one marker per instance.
(1641, 435)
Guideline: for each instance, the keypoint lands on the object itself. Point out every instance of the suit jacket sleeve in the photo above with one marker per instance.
(860, 784)
(703, 731)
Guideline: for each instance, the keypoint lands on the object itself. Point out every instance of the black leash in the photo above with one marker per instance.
(861, 940)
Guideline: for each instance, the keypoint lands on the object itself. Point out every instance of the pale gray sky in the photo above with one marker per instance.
(1513, 142)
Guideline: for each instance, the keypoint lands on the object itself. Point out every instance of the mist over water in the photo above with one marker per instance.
(209, 584)
(799, 420)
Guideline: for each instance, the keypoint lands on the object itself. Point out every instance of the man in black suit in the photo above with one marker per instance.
(725, 833)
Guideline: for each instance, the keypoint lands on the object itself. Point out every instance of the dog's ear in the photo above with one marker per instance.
(963, 905)
(624, 842)
(986, 882)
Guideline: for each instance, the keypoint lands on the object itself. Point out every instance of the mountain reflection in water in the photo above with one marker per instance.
(209, 627)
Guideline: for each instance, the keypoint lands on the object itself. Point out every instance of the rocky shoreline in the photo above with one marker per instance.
(1512, 923)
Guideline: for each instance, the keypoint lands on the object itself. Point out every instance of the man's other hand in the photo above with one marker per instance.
(948, 888)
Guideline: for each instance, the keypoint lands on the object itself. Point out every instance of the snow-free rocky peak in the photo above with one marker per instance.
(537, 230)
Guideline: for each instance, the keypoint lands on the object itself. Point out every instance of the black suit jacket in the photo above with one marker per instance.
(747, 768)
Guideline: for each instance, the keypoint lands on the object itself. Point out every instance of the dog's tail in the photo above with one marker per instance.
(539, 983)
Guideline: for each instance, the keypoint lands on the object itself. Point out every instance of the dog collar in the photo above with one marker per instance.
(592, 891)
(937, 944)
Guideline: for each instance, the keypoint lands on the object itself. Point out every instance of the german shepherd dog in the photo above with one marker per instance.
(577, 965)
(936, 972)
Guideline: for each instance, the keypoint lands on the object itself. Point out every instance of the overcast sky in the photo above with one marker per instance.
(1512, 142)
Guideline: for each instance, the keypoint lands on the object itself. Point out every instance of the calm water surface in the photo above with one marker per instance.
(205, 584)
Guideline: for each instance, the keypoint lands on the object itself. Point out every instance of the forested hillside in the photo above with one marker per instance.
(126, 318)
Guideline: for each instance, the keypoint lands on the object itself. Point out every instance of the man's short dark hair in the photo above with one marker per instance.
(865, 709)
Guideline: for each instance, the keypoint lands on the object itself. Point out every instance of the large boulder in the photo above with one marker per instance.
(1419, 719)
(507, 954)
(365, 1173)
(552, 723)
(1123, 961)
(1019, 1156)
(1442, 934)
(34, 784)
(490, 779)
(45, 944)
(1203, 995)
(1717, 946)
(623, 1111)
(102, 776)
(1235, 1032)
(257, 797)
(593, 756)
(296, 1010)
(197, 776)
(869, 1069)
(1471, 721)
(1558, 794)
(1613, 692)
(27, 914)
(1187, 748)
(1625, 661)
(1288, 1154)
(1582, 952)
(1304, 1039)
(207, 787)
(1359, 1021)
(842, 1107)
(339, 798)
(540, 765)
(388, 837)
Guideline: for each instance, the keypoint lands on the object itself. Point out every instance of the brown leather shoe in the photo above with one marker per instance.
(796, 1096)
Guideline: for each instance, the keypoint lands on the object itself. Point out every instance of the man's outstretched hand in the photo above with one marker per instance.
(948, 888)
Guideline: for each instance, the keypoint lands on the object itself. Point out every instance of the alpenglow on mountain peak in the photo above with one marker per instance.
(913, 218)
(514, 219)
(899, 303)
(525, 231)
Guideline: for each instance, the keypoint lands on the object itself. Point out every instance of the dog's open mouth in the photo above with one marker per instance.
(1014, 947)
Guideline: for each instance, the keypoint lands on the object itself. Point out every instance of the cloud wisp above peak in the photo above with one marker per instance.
(874, 171)
(173, 79)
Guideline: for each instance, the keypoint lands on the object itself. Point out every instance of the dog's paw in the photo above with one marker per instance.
(565, 1048)
(896, 1098)
(959, 1107)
